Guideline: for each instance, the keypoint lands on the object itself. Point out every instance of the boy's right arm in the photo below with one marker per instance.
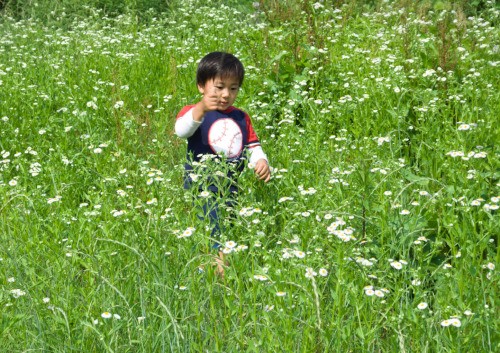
(186, 125)
(198, 112)
(187, 122)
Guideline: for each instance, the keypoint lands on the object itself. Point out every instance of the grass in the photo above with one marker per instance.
(377, 233)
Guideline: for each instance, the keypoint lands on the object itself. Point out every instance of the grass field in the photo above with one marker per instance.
(378, 231)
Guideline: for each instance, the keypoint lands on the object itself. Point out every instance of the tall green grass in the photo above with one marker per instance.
(377, 233)
(49, 11)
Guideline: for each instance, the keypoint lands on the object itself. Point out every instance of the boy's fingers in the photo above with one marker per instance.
(259, 169)
(263, 172)
(266, 177)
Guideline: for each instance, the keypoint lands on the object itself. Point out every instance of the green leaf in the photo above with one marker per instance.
(415, 178)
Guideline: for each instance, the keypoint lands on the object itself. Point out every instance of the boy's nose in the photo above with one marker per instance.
(225, 92)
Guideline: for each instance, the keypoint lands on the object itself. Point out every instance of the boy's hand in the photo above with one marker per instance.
(262, 170)
(208, 102)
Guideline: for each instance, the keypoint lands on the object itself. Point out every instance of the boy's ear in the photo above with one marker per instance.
(201, 89)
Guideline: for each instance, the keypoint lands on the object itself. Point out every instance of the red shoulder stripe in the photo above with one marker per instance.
(252, 136)
(184, 111)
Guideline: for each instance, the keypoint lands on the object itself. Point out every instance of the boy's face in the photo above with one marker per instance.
(223, 90)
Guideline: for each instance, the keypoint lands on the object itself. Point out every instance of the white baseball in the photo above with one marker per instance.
(224, 136)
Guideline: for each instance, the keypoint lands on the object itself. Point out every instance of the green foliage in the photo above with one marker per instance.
(48, 10)
(378, 231)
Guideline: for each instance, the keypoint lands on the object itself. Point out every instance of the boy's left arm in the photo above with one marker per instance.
(262, 170)
(257, 156)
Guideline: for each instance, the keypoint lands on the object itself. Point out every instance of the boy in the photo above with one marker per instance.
(213, 126)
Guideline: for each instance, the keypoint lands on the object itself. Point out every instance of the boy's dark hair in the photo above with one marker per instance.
(219, 64)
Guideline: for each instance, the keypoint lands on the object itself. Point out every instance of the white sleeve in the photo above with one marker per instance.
(256, 153)
(185, 126)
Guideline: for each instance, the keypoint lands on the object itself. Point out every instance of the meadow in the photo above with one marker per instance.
(378, 231)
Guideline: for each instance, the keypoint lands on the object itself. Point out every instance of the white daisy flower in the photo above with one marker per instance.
(422, 306)
(106, 315)
(323, 272)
